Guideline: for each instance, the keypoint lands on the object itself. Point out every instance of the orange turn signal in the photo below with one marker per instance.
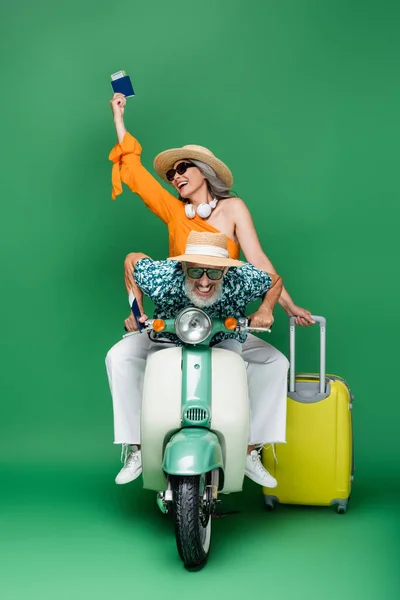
(230, 323)
(158, 325)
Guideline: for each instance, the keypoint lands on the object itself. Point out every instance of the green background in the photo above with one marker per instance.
(301, 100)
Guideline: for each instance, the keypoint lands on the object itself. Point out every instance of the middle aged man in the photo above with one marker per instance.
(205, 277)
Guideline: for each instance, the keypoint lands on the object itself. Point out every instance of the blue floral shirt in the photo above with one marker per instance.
(164, 282)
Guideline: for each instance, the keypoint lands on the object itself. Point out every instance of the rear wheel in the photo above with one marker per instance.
(192, 510)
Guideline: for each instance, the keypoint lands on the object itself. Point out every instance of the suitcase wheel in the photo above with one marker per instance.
(342, 507)
(269, 503)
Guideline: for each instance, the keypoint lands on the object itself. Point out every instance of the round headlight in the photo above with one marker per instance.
(193, 326)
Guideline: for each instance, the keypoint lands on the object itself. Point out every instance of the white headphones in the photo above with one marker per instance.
(203, 210)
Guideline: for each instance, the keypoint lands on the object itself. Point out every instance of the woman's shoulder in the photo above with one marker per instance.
(233, 201)
(236, 205)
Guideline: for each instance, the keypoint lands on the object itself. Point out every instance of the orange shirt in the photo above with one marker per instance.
(128, 168)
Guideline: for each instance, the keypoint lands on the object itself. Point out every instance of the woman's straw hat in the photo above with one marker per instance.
(166, 160)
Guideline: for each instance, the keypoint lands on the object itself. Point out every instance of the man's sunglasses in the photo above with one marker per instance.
(197, 273)
(180, 169)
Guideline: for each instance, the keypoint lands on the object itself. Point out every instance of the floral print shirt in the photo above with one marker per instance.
(164, 282)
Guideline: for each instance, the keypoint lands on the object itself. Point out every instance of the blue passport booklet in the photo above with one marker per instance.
(121, 84)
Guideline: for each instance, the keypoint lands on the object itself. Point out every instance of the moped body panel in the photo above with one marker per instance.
(230, 414)
(163, 412)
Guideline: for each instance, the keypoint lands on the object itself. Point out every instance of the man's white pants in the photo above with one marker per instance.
(266, 374)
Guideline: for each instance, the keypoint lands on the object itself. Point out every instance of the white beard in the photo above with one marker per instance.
(194, 298)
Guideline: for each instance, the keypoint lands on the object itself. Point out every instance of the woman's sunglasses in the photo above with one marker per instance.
(180, 169)
(197, 273)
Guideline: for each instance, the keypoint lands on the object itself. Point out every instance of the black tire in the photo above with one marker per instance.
(192, 521)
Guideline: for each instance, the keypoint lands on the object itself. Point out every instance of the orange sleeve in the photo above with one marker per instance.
(128, 168)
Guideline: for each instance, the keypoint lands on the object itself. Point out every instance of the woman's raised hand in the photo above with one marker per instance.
(118, 102)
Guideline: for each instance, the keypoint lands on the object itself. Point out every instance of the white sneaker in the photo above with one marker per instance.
(132, 467)
(256, 471)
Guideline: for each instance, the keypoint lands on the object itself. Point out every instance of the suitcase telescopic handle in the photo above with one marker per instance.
(322, 353)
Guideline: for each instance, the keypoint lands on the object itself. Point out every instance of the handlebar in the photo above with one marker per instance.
(242, 327)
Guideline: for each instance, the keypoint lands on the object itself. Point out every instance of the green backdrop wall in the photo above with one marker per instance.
(300, 99)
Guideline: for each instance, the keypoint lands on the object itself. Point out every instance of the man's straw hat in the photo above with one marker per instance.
(207, 249)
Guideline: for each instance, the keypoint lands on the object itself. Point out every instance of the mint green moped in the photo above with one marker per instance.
(194, 425)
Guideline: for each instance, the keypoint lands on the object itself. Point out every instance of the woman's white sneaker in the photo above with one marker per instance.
(132, 467)
(256, 471)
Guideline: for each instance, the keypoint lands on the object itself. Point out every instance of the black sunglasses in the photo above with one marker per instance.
(180, 169)
(197, 273)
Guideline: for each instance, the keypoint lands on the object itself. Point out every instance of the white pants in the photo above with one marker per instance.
(266, 373)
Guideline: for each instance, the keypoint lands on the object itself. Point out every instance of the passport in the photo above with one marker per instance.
(135, 310)
(121, 84)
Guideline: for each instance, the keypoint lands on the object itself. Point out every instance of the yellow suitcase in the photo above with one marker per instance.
(315, 466)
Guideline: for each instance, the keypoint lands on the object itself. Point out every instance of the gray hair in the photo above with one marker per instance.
(216, 186)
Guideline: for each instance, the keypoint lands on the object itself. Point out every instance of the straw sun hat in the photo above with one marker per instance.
(166, 160)
(207, 249)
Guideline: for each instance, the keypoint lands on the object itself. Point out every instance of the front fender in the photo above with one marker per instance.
(193, 451)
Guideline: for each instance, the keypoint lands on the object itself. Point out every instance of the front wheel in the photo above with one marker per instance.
(192, 510)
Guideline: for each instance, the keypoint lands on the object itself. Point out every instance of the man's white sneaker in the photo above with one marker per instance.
(256, 471)
(132, 467)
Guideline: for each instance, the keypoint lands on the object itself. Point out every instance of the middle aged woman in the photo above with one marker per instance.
(204, 201)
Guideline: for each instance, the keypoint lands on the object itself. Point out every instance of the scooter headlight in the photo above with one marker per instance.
(193, 325)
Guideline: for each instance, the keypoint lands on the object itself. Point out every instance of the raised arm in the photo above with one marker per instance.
(128, 168)
(118, 103)
(250, 244)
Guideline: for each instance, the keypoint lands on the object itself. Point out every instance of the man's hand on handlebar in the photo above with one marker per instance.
(263, 317)
(130, 322)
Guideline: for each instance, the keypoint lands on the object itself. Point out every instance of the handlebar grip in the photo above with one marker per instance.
(267, 329)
